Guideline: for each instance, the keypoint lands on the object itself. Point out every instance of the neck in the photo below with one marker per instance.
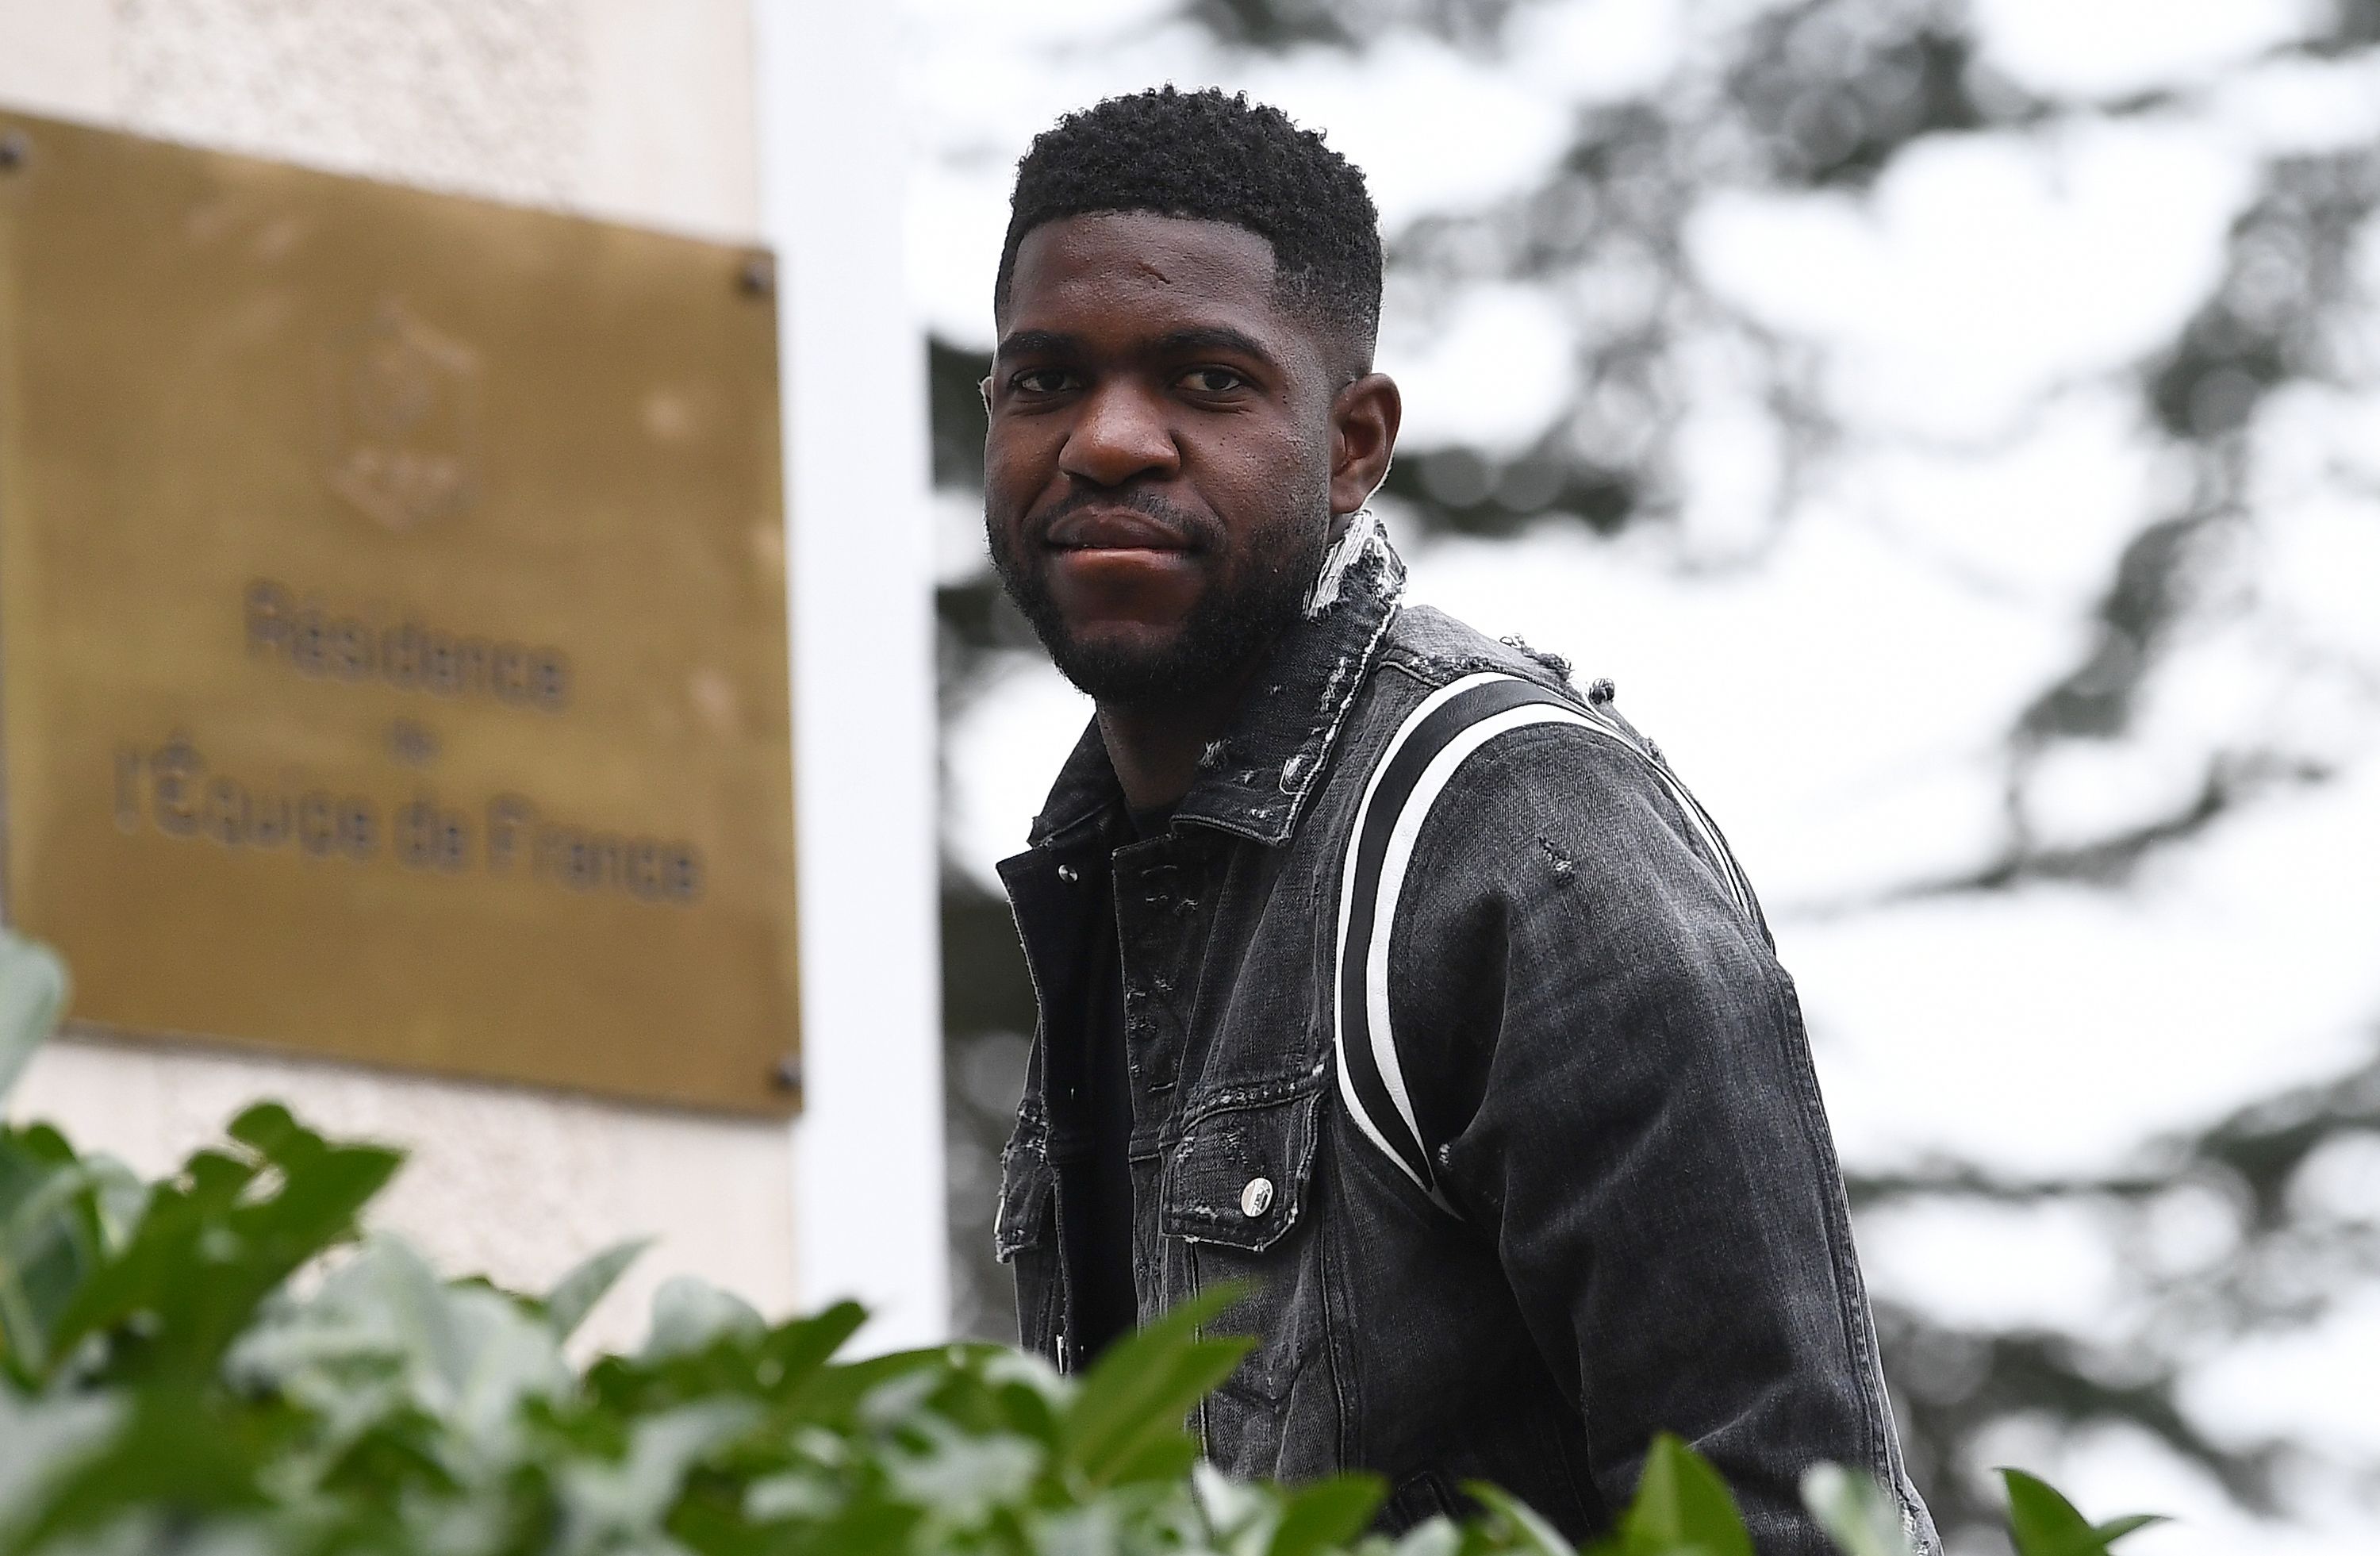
(1154, 752)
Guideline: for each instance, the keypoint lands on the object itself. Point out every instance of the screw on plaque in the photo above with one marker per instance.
(14, 149)
(786, 1074)
(758, 276)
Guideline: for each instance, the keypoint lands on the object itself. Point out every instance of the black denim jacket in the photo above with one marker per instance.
(1627, 1216)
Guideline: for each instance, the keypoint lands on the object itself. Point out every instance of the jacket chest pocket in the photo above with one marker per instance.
(1239, 1178)
(1238, 1202)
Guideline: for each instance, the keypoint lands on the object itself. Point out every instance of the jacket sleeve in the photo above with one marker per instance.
(1610, 1072)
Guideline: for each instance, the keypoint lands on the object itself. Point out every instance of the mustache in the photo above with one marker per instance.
(1197, 531)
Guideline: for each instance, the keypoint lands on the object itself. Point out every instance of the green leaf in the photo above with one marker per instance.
(53, 1234)
(1434, 1536)
(1145, 1386)
(963, 1480)
(621, 1505)
(2115, 1529)
(45, 1436)
(573, 1296)
(1523, 1527)
(1163, 1457)
(2043, 1523)
(118, 1200)
(1233, 1510)
(1326, 1514)
(690, 1314)
(1681, 1505)
(34, 990)
(175, 1456)
(871, 1529)
(799, 1348)
(271, 1131)
(1855, 1511)
(208, 1250)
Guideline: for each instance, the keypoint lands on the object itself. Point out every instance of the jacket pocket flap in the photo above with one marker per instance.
(1238, 1174)
(1026, 1215)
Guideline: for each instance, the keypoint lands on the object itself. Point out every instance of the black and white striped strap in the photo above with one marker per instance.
(1434, 741)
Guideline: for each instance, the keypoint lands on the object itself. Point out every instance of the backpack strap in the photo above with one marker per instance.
(1421, 758)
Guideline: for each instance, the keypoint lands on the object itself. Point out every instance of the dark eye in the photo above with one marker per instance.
(1042, 381)
(1212, 380)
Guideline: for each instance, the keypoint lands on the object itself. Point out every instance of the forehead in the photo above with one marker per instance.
(1123, 270)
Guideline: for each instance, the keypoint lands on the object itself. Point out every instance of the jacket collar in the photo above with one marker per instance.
(1255, 782)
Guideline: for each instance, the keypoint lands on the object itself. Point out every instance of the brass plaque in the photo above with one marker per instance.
(393, 656)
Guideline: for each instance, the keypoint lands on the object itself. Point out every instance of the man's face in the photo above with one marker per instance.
(1158, 468)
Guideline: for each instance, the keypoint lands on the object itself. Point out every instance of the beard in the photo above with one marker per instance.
(1234, 621)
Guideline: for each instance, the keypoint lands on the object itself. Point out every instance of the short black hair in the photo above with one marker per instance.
(1209, 157)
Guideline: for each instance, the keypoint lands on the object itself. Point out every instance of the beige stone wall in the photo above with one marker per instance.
(638, 110)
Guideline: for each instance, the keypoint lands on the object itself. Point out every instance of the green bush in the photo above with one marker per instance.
(220, 1363)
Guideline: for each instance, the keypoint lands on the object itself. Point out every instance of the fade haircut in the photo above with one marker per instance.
(1209, 157)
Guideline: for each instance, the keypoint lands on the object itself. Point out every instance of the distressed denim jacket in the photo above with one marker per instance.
(1568, 1185)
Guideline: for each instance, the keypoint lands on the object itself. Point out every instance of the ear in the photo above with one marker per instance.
(984, 391)
(1363, 420)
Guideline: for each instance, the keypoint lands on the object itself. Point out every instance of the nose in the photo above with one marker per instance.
(1120, 435)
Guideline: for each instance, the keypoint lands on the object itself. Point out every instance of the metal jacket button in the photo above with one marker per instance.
(1069, 874)
(1257, 1198)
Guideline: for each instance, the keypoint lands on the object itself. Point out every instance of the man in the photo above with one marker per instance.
(1377, 966)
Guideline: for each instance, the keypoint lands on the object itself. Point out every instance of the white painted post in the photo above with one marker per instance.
(870, 1214)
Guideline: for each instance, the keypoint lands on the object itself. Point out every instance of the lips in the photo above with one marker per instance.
(1115, 572)
(1114, 530)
